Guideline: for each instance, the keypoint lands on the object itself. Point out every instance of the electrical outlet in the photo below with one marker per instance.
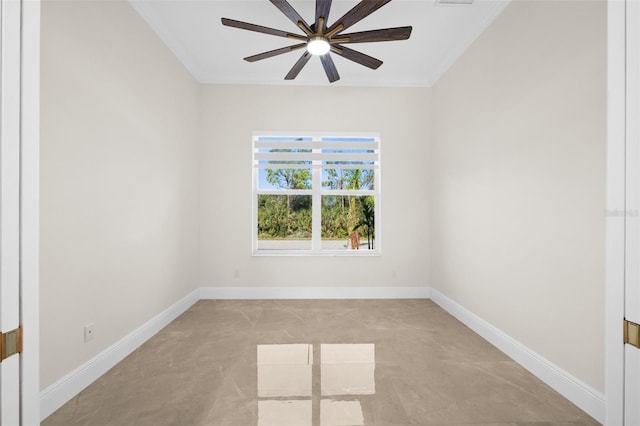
(88, 332)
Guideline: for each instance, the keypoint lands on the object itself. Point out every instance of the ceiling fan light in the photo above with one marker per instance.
(318, 46)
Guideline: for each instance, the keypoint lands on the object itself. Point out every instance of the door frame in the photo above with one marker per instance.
(616, 211)
(30, 213)
(10, 58)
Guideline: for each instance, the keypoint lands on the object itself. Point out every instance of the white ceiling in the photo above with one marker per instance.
(213, 53)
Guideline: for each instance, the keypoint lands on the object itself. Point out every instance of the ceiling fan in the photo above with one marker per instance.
(320, 38)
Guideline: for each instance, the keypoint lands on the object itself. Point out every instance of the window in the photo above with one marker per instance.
(316, 194)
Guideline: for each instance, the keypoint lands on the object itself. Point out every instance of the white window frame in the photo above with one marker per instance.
(316, 193)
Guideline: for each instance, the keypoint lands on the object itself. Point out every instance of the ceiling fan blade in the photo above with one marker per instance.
(329, 68)
(357, 57)
(359, 12)
(292, 14)
(322, 11)
(275, 52)
(297, 67)
(386, 34)
(260, 29)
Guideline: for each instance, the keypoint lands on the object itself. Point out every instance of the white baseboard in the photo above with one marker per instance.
(62, 391)
(586, 398)
(314, 293)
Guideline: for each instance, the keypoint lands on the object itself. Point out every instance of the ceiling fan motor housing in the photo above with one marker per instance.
(318, 45)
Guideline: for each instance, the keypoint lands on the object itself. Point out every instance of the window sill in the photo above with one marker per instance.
(323, 253)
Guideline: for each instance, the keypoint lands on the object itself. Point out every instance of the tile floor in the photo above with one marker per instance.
(320, 362)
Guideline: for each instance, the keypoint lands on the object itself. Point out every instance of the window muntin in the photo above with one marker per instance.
(311, 191)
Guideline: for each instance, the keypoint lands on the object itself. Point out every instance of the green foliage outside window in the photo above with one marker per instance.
(288, 216)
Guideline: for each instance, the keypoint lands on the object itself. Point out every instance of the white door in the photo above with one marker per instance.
(19, 211)
(632, 279)
(10, 112)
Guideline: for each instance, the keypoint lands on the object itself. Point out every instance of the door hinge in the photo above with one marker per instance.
(632, 333)
(10, 343)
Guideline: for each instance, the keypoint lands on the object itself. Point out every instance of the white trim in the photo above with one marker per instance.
(30, 212)
(10, 75)
(581, 394)
(616, 212)
(585, 397)
(62, 391)
(289, 144)
(319, 253)
(251, 293)
(10, 173)
(231, 81)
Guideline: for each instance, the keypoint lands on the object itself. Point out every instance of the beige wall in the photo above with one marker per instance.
(146, 182)
(518, 176)
(229, 116)
(119, 179)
